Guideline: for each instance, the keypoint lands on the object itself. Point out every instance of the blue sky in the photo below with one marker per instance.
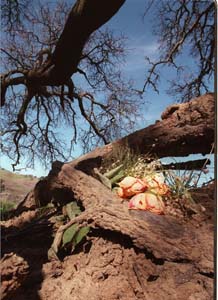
(141, 42)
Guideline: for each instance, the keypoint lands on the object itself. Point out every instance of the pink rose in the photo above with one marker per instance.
(130, 186)
(147, 201)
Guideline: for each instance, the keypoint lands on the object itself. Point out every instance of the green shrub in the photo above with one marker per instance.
(5, 208)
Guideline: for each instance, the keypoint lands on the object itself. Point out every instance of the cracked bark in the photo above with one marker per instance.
(155, 252)
(164, 237)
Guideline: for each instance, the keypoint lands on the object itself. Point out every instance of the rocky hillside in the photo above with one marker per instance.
(14, 187)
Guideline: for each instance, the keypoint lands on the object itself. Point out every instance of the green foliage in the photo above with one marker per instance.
(122, 157)
(72, 210)
(104, 180)
(71, 236)
(125, 162)
(74, 235)
(117, 177)
(5, 208)
(81, 233)
(68, 235)
(110, 174)
(180, 181)
(45, 209)
(180, 185)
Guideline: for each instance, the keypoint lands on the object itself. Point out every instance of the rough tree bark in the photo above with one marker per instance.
(12, 267)
(153, 244)
(181, 132)
(183, 124)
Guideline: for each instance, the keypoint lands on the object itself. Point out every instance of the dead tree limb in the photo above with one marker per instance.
(164, 237)
(84, 18)
(187, 165)
(185, 129)
(161, 237)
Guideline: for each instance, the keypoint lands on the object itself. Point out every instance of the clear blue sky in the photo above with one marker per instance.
(141, 42)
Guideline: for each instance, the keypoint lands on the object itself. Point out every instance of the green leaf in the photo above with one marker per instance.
(72, 210)
(80, 235)
(103, 179)
(110, 174)
(117, 177)
(69, 234)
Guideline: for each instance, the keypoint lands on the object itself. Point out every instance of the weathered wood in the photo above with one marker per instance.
(187, 128)
(14, 270)
(162, 242)
(164, 237)
(187, 165)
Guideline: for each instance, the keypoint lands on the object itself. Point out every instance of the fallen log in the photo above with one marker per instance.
(187, 128)
(162, 239)
(163, 236)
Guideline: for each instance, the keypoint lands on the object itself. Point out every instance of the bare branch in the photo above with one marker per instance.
(48, 101)
(181, 24)
(89, 120)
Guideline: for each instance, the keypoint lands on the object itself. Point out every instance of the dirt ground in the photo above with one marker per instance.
(105, 267)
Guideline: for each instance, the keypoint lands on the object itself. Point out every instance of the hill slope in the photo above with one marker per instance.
(14, 187)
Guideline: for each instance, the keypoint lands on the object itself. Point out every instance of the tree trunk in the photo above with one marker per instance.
(180, 132)
(184, 124)
(85, 17)
(154, 245)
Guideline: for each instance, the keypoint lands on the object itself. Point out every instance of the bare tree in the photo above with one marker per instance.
(40, 54)
(12, 12)
(181, 26)
(41, 99)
